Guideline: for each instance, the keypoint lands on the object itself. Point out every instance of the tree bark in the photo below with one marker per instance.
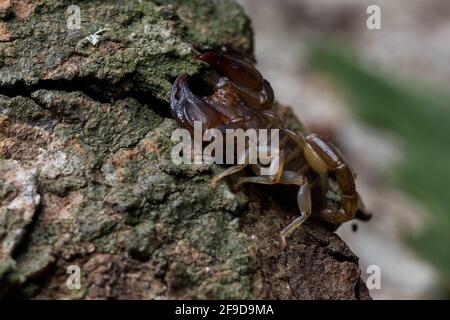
(86, 177)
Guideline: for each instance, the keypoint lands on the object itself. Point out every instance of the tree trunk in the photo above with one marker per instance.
(86, 178)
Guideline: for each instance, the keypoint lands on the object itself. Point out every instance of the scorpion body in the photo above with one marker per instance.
(241, 99)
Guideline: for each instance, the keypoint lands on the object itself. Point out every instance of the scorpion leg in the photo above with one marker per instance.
(244, 162)
(276, 163)
(229, 171)
(292, 178)
(323, 157)
(273, 118)
(304, 204)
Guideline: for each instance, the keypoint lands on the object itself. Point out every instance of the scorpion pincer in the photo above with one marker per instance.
(240, 99)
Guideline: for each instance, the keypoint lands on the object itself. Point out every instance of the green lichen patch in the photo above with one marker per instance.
(121, 45)
(108, 186)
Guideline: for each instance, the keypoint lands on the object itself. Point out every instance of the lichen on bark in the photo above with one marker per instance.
(85, 171)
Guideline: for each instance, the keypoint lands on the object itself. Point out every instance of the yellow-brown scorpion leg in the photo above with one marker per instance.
(304, 204)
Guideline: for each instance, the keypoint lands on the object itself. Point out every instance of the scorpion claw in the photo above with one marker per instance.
(186, 107)
(252, 87)
(236, 70)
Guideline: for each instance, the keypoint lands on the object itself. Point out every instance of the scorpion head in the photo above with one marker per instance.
(240, 83)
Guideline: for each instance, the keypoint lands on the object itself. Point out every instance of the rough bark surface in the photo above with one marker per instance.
(86, 177)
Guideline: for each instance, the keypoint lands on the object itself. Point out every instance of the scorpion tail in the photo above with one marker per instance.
(323, 157)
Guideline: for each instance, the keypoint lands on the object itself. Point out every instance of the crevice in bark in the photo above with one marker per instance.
(97, 90)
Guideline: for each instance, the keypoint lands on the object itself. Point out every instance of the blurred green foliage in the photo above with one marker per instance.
(421, 117)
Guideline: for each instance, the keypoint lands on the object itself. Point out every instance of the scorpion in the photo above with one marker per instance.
(241, 99)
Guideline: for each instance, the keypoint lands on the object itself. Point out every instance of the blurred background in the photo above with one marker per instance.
(383, 97)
